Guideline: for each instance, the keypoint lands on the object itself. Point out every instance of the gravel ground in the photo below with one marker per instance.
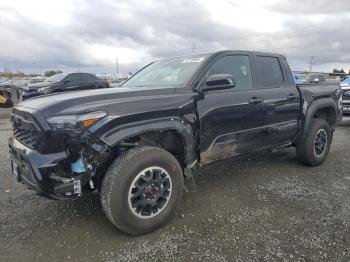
(263, 207)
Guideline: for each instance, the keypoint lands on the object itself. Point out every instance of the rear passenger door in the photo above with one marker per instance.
(72, 82)
(281, 99)
(88, 81)
(231, 119)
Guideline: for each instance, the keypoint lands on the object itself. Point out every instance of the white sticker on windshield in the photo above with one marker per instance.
(193, 60)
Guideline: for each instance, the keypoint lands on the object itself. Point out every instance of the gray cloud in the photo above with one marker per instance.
(307, 7)
(169, 28)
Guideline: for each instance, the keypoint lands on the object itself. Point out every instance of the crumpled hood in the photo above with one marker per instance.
(117, 100)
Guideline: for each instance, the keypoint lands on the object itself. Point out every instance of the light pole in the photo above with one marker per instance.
(117, 64)
(311, 62)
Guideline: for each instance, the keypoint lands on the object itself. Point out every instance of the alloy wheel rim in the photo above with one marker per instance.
(320, 142)
(149, 192)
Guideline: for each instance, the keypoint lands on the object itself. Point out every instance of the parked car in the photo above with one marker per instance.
(345, 86)
(63, 83)
(310, 78)
(139, 145)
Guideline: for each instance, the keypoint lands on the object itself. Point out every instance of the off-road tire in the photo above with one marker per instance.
(120, 176)
(305, 148)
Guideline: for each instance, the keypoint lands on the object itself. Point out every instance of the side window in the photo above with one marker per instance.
(236, 65)
(269, 71)
(73, 78)
(88, 78)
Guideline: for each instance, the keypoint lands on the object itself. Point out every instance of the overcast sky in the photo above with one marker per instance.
(90, 35)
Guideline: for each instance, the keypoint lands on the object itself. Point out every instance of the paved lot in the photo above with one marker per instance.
(265, 207)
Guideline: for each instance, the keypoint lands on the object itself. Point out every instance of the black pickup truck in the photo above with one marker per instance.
(138, 145)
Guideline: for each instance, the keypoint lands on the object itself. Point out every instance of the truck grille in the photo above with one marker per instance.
(25, 130)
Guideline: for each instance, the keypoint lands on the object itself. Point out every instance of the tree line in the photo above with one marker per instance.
(9, 74)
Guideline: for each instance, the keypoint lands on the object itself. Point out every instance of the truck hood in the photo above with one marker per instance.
(116, 101)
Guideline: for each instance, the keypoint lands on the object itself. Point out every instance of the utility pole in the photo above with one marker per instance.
(117, 64)
(311, 62)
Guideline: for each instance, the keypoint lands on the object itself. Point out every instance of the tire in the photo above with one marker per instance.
(310, 152)
(119, 183)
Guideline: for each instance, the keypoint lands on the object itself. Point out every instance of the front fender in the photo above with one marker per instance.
(181, 126)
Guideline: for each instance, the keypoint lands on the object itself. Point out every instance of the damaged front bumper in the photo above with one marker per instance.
(41, 172)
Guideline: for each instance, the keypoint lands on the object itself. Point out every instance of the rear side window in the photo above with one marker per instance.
(88, 78)
(73, 78)
(270, 71)
(236, 65)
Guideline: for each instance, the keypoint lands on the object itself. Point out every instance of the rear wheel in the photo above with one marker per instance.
(141, 189)
(314, 148)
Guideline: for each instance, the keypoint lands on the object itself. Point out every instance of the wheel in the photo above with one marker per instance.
(314, 148)
(141, 189)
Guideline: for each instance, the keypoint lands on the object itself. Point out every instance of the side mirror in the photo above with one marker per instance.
(218, 82)
(66, 81)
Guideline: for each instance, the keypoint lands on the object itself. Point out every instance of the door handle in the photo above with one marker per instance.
(255, 100)
(292, 97)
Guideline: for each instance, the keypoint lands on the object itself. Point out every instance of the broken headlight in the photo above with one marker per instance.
(75, 122)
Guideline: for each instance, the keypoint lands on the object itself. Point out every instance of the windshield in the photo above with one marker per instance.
(302, 77)
(346, 81)
(56, 78)
(167, 73)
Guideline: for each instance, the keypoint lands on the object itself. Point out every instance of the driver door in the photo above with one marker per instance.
(230, 120)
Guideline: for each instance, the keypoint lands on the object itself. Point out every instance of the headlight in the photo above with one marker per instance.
(75, 122)
(338, 93)
(44, 89)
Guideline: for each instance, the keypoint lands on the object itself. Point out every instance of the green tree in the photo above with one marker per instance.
(52, 72)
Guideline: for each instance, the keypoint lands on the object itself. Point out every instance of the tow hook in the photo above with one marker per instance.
(77, 187)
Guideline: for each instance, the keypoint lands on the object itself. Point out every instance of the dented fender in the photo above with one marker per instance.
(182, 126)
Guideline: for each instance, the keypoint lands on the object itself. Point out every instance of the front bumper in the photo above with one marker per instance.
(39, 172)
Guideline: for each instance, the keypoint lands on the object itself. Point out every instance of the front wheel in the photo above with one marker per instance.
(141, 189)
(314, 148)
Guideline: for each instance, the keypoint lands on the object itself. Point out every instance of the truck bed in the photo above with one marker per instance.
(318, 90)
